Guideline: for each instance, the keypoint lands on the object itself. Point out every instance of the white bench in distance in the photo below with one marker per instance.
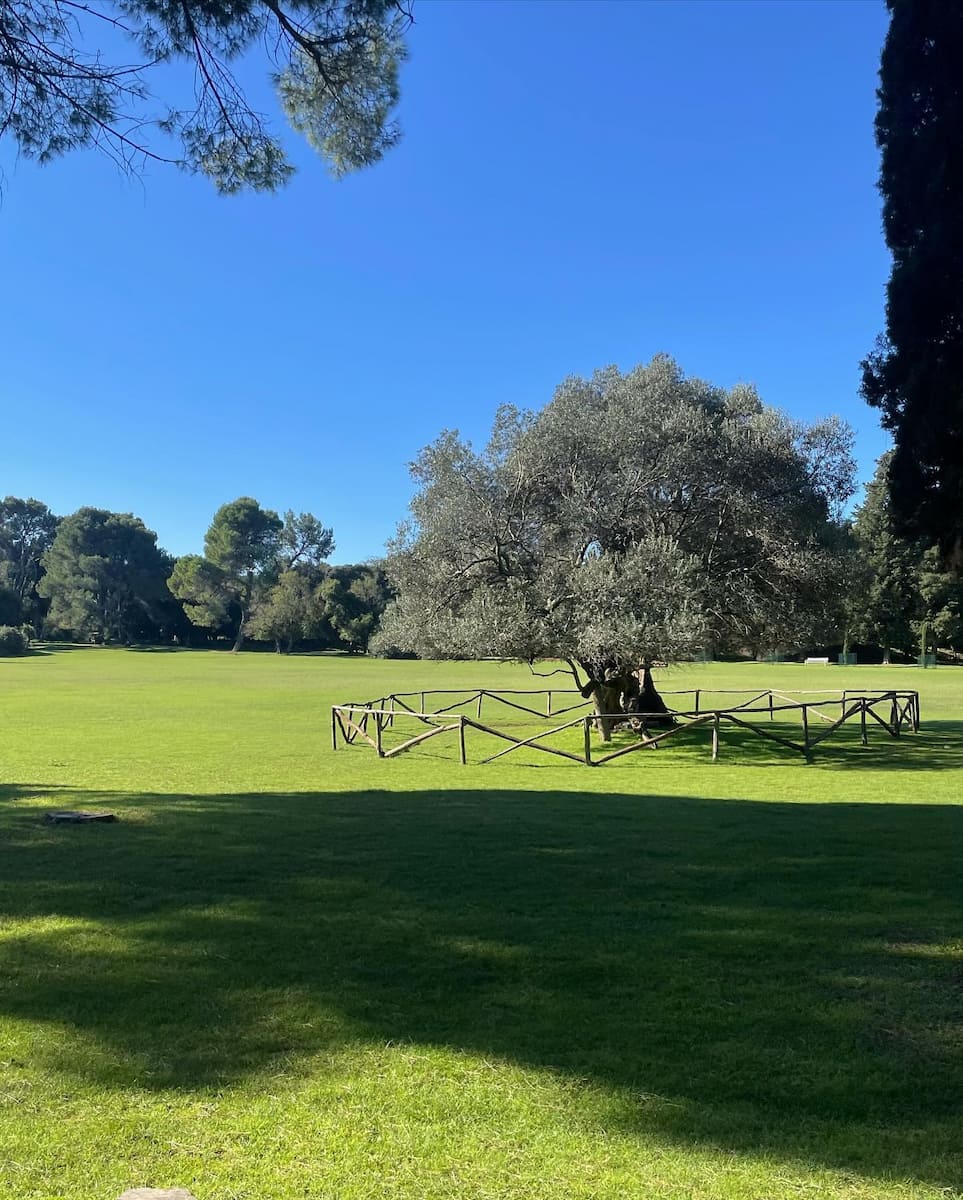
(823, 661)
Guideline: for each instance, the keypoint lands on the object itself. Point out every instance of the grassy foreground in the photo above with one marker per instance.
(292, 973)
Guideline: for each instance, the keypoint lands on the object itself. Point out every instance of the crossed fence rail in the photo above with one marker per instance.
(894, 710)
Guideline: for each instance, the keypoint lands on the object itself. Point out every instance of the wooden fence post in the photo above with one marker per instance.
(461, 739)
(698, 692)
(478, 706)
(588, 740)
(715, 737)
(770, 705)
(862, 722)
(334, 730)
(805, 725)
(378, 735)
(548, 703)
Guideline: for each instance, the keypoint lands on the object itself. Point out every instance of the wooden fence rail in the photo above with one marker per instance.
(893, 710)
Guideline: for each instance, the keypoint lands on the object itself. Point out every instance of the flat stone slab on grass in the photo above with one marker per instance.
(157, 1194)
(78, 818)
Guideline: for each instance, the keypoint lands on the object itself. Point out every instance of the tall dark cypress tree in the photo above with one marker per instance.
(887, 598)
(915, 374)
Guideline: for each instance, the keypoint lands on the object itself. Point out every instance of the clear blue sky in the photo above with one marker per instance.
(579, 184)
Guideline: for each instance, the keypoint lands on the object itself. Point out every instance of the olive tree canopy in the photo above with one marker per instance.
(638, 517)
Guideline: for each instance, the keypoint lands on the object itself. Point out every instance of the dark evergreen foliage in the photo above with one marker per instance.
(105, 577)
(67, 81)
(886, 603)
(354, 598)
(27, 529)
(241, 553)
(915, 374)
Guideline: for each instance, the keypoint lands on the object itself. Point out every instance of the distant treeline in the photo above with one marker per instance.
(898, 595)
(99, 576)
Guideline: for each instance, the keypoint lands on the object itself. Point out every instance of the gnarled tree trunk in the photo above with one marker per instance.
(650, 702)
(620, 695)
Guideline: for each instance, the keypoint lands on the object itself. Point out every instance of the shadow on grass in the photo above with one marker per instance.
(773, 978)
(937, 747)
(52, 649)
(165, 649)
(49, 649)
(248, 651)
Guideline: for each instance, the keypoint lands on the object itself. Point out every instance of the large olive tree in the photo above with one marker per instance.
(638, 517)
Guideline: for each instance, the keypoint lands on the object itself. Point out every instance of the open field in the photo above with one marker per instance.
(292, 973)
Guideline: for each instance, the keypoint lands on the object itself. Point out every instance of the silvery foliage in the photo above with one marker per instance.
(638, 517)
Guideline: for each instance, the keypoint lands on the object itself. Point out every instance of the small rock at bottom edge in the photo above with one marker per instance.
(157, 1194)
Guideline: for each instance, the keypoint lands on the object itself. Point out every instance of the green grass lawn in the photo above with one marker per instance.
(288, 972)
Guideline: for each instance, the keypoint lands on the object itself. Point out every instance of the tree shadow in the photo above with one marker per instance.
(158, 649)
(779, 978)
(49, 649)
(938, 746)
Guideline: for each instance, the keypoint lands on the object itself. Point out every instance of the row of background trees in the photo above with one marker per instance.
(337, 79)
(100, 576)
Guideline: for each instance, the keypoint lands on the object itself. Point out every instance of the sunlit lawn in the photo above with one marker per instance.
(287, 972)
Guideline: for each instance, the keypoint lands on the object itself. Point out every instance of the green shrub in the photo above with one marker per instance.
(12, 640)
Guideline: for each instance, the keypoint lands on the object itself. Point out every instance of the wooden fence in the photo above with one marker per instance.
(893, 710)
